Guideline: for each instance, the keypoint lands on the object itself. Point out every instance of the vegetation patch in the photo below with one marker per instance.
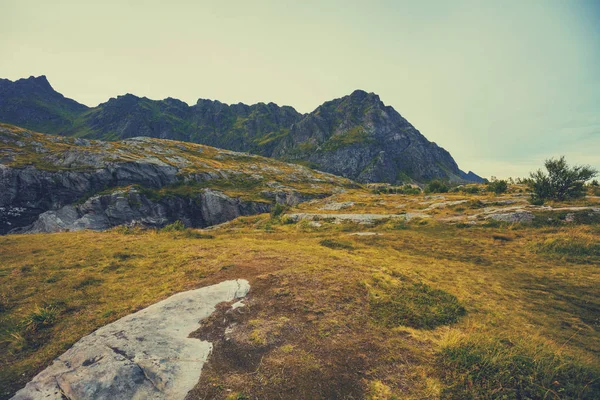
(415, 305)
(578, 248)
(41, 317)
(437, 186)
(337, 244)
(482, 367)
(357, 134)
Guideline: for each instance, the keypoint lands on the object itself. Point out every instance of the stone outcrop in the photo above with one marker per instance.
(131, 207)
(54, 184)
(29, 192)
(145, 355)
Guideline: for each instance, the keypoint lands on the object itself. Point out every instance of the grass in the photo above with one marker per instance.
(352, 136)
(416, 312)
(41, 317)
(525, 368)
(584, 248)
(199, 167)
(337, 244)
(415, 305)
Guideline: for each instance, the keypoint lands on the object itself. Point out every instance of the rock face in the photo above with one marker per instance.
(29, 191)
(355, 136)
(145, 355)
(130, 207)
(54, 184)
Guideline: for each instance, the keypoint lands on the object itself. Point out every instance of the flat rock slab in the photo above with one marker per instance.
(145, 355)
(358, 218)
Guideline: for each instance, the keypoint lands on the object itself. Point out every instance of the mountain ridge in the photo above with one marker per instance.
(356, 136)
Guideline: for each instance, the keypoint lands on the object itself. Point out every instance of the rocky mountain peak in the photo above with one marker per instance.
(39, 81)
(362, 96)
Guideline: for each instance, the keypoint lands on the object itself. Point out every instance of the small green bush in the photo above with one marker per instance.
(436, 186)
(176, 226)
(498, 187)
(470, 189)
(278, 210)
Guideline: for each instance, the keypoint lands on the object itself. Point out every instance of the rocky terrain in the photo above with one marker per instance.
(55, 183)
(356, 136)
(456, 208)
(362, 294)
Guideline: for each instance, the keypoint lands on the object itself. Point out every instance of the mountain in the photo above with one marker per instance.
(34, 104)
(55, 183)
(356, 136)
(471, 177)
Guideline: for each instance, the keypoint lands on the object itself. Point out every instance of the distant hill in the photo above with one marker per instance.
(356, 136)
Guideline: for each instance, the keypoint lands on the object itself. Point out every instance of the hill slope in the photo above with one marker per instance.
(356, 136)
(54, 183)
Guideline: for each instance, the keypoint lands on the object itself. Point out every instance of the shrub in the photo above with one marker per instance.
(176, 226)
(561, 181)
(498, 187)
(277, 210)
(469, 189)
(436, 186)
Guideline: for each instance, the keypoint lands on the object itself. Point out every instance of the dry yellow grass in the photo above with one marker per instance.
(310, 310)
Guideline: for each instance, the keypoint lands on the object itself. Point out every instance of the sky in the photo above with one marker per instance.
(501, 85)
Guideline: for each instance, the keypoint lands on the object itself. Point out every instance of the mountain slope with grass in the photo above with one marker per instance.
(53, 183)
(356, 136)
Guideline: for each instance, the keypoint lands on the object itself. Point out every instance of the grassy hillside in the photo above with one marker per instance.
(237, 174)
(427, 308)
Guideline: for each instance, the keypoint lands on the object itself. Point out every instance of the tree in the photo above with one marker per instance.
(561, 181)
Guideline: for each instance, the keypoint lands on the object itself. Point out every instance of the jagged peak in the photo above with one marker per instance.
(363, 96)
(38, 81)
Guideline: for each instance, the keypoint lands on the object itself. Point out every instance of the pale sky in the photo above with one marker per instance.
(502, 85)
